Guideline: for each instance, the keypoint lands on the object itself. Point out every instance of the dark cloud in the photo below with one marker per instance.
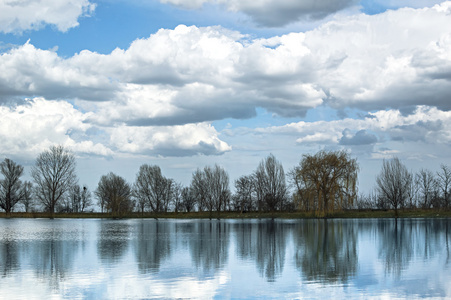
(361, 137)
(280, 13)
(443, 73)
(369, 116)
(419, 131)
(194, 116)
(290, 110)
(159, 74)
(275, 13)
(405, 97)
(431, 66)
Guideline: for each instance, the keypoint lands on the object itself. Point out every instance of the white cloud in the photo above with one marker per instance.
(380, 58)
(183, 140)
(428, 125)
(159, 95)
(192, 74)
(189, 4)
(17, 16)
(28, 71)
(34, 126)
(38, 123)
(188, 74)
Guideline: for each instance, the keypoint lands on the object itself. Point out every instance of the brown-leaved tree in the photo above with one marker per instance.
(326, 181)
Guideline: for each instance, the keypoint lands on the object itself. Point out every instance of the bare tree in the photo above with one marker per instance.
(54, 175)
(211, 186)
(326, 181)
(75, 199)
(151, 187)
(393, 183)
(270, 184)
(413, 194)
(425, 180)
(80, 199)
(11, 189)
(114, 194)
(188, 199)
(368, 201)
(168, 192)
(444, 182)
(177, 196)
(220, 188)
(244, 195)
(27, 199)
(141, 202)
(199, 189)
(86, 198)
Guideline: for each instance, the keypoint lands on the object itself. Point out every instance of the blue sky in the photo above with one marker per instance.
(183, 84)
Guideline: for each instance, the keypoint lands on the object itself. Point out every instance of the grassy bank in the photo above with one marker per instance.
(237, 215)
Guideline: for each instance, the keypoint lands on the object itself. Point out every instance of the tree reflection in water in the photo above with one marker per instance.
(9, 260)
(209, 246)
(53, 259)
(395, 244)
(271, 246)
(246, 239)
(263, 241)
(326, 250)
(400, 240)
(226, 258)
(152, 244)
(433, 234)
(447, 238)
(52, 253)
(113, 239)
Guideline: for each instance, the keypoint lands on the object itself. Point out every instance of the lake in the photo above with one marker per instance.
(223, 259)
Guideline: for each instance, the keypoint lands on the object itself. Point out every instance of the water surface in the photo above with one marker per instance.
(308, 259)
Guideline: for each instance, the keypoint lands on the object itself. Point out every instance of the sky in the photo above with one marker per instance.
(187, 83)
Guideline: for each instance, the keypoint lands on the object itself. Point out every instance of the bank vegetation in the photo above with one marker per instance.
(321, 185)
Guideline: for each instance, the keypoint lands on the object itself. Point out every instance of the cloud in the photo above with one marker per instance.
(276, 13)
(188, 74)
(419, 131)
(187, 4)
(192, 74)
(273, 13)
(426, 124)
(20, 15)
(184, 140)
(33, 126)
(29, 72)
(361, 137)
(30, 128)
(175, 82)
(388, 58)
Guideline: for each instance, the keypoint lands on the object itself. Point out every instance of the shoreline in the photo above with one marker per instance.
(348, 214)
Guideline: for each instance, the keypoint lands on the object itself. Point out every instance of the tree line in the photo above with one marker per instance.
(398, 188)
(321, 183)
